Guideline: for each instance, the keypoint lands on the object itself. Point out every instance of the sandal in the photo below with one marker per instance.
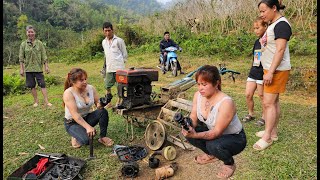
(248, 118)
(35, 105)
(205, 159)
(260, 122)
(74, 143)
(260, 134)
(108, 143)
(226, 171)
(262, 144)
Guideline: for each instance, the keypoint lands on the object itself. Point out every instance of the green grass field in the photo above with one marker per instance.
(293, 156)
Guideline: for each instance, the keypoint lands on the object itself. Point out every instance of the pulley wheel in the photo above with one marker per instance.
(155, 135)
(169, 153)
(130, 169)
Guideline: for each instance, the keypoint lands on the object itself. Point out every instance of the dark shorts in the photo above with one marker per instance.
(110, 79)
(31, 78)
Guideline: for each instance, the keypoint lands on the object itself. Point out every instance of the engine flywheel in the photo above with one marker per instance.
(155, 135)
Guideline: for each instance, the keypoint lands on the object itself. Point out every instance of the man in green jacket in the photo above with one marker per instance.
(32, 57)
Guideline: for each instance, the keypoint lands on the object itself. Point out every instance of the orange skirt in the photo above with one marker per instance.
(279, 82)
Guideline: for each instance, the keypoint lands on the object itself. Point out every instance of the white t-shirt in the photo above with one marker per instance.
(279, 29)
(115, 54)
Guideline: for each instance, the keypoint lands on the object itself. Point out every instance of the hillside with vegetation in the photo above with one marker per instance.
(71, 29)
(143, 7)
(202, 27)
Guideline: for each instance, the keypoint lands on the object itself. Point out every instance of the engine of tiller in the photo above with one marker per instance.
(134, 86)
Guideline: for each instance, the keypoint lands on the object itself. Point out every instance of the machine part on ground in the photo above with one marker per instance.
(153, 162)
(155, 135)
(131, 153)
(130, 169)
(166, 171)
(168, 152)
(134, 86)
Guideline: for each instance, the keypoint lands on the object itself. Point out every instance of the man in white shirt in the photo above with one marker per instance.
(115, 55)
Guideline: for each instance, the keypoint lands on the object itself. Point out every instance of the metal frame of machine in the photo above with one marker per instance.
(160, 114)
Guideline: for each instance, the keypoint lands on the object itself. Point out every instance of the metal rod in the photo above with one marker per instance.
(91, 146)
(49, 156)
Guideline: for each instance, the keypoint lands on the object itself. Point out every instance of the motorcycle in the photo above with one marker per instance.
(172, 61)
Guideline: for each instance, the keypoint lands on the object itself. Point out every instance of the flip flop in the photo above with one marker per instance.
(109, 142)
(260, 122)
(74, 143)
(260, 134)
(262, 144)
(248, 118)
(35, 105)
(49, 104)
(200, 160)
(227, 171)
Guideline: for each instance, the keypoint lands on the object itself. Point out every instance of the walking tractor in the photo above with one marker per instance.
(162, 114)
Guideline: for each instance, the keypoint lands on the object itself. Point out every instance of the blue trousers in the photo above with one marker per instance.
(223, 147)
(77, 131)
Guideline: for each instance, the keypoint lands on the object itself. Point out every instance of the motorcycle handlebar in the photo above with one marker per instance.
(231, 71)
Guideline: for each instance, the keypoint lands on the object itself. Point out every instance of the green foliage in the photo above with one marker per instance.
(13, 84)
(75, 55)
(94, 46)
(303, 46)
(154, 47)
(53, 80)
(132, 35)
(206, 44)
(21, 24)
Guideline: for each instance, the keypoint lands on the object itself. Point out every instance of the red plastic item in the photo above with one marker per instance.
(41, 166)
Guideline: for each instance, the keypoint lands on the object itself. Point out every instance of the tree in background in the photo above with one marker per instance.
(22, 24)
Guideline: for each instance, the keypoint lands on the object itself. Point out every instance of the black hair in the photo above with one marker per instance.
(259, 20)
(209, 74)
(74, 75)
(107, 25)
(271, 3)
(166, 33)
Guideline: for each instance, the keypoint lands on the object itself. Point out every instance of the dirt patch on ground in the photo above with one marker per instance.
(187, 167)
(9, 113)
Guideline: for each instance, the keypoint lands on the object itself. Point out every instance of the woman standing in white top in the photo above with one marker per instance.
(216, 128)
(78, 97)
(275, 60)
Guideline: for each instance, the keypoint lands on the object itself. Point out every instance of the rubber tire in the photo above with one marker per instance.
(174, 69)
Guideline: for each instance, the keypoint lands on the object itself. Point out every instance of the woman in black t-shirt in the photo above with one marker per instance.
(255, 77)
